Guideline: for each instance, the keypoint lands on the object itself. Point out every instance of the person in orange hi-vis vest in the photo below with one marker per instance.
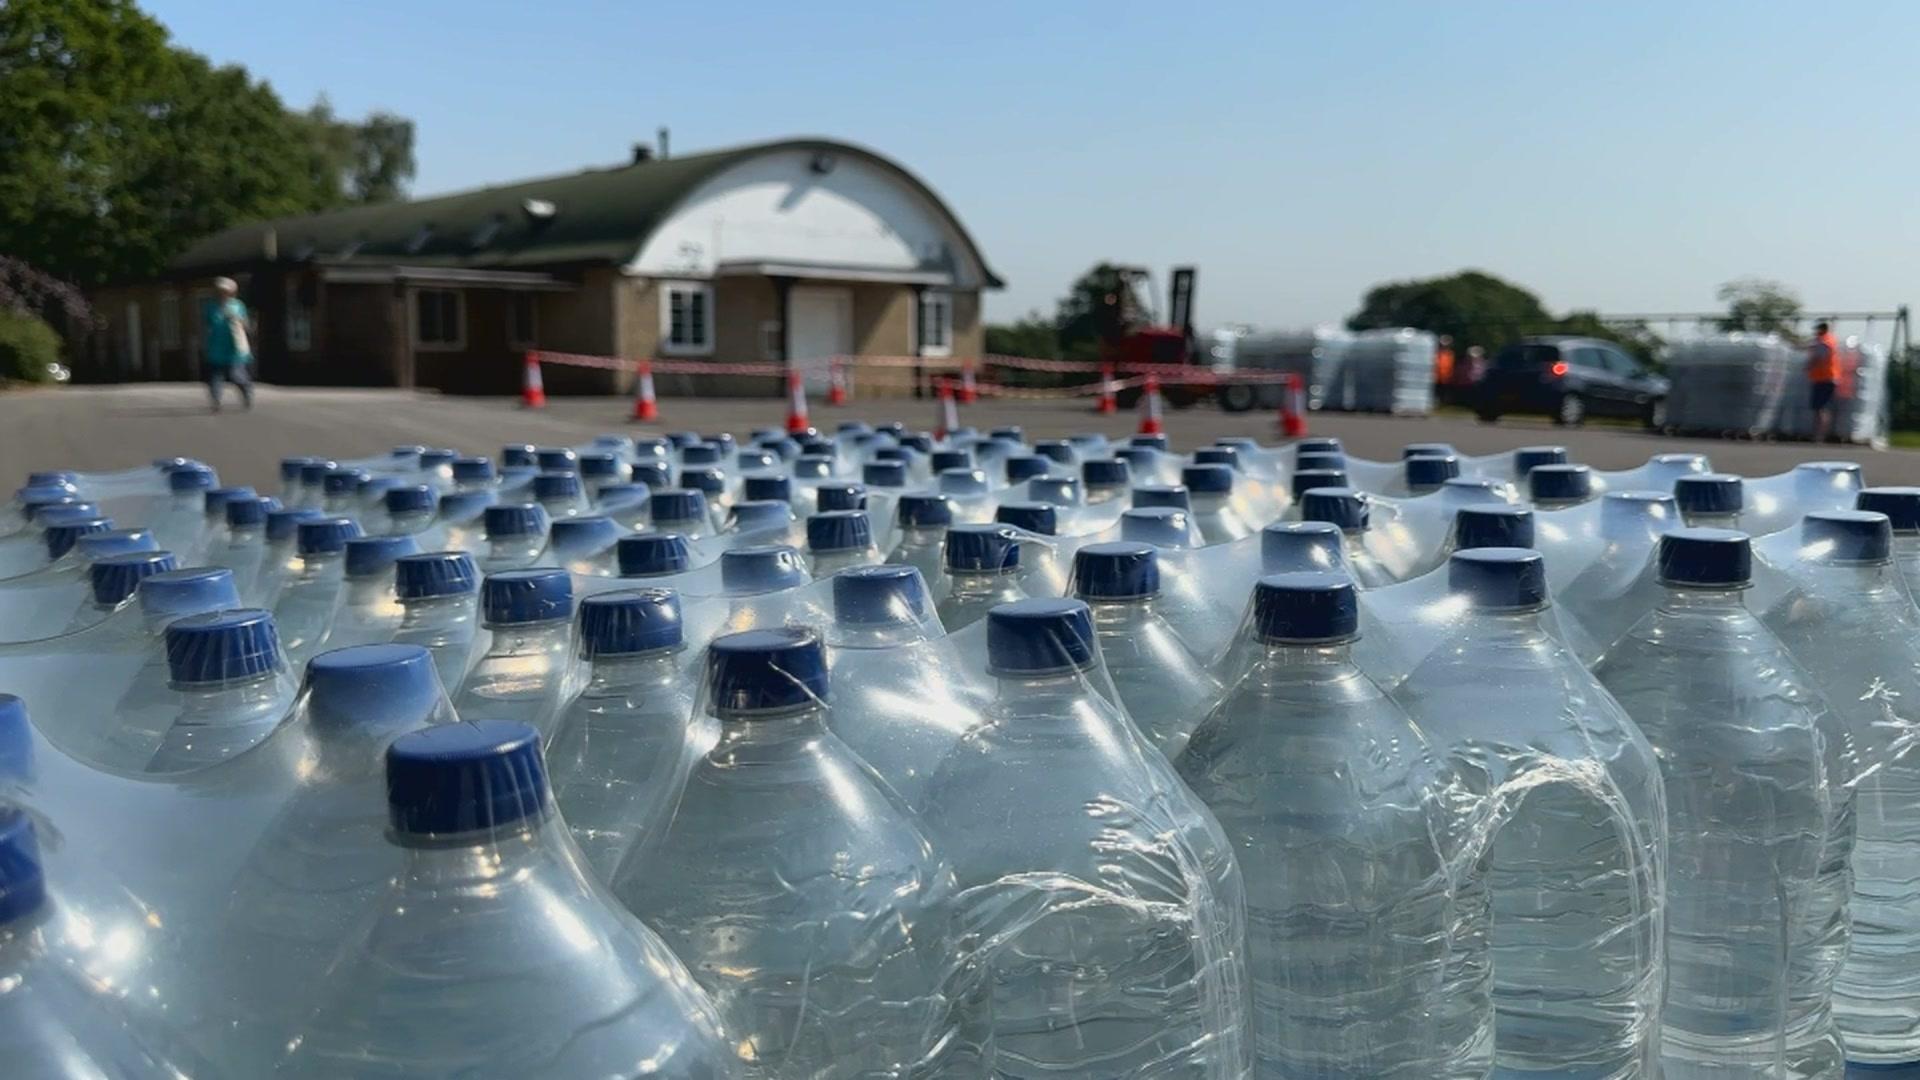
(1823, 379)
(1443, 367)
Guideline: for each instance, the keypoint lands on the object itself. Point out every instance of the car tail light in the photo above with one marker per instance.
(1558, 369)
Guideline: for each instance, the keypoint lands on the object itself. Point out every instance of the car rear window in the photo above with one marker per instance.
(1521, 357)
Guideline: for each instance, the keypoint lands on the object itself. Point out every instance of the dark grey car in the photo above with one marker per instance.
(1570, 379)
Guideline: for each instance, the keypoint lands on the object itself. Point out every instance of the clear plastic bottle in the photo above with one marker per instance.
(1111, 898)
(231, 684)
(474, 474)
(1163, 686)
(1336, 809)
(281, 562)
(1425, 473)
(525, 672)
(1558, 486)
(1901, 505)
(340, 490)
(1211, 491)
(1569, 848)
(1301, 547)
(781, 834)
(1492, 526)
(245, 549)
(461, 520)
(369, 609)
(1755, 787)
(680, 510)
(838, 540)
(652, 555)
(308, 602)
(1710, 500)
(1161, 526)
(438, 595)
(1106, 479)
(515, 535)
(1347, 510)
(923, 522)
(623, 747)
(761, 568)
(983, 571)
(180, 524)
(583, 545)
(494, 953)
(559, 494)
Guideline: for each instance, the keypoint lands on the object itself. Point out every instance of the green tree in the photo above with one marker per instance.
(1472, 307)
(1759, 305)
(366, 162)
(1030, 335)
(1100, 304)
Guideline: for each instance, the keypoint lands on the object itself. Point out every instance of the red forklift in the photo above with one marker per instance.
(1132, 337)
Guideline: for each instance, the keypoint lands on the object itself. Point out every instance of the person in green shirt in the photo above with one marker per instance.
(229, 343)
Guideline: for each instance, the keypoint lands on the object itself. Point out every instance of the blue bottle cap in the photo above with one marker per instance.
(612, 441)
(884, 474)
(1172, 495)
(1026, 467)
(814, 446)
(435, 573)
(376, 487)
(462, 507)
(879, 596)
(630, 621)
(1056, 450)
(520, 454)
(113, 542)
(23, 890)
(214, 502)
(405, 453)
(839, 530)
(1304, 461)
(61, 537)
(1034, 517)
(646, 446)
(556, 485)
(1319, 445)
(598, 466)
(314, 473)
(436, 457)
(1039, 637)
(766, 671)
(1427, 449)
(190, 478)
(248, 513)
(342, 481)
(1344, 508)
(1709, 493)
(115, 577)
(37, 501)
(1496, 525)
(1217, 455)
(325, 536)
(767, 487)
(942, 460)
(220, 646)
(680, 440)
(700, 454)
(1150, 442)
(677, 506)
(476, 776)
(1105, 473)
(1296, 546)
(1116, 571)
(963, 482)
(523, 597)
(525, 519)
(1306, 480)
(1559, 483)
(65, 514)
(761, 515)
(708, 481)
(1499, 579)
(783, 448)
(1528, 458)
(1011, 433)
(1900, 504)
(473, 470)
(1208, 479)
(756, 459)
(290, 468)
(812, 467)
(1706, 558)
(196, 589)
(923, 511)
(839, 496)
(1847, 536)
(583, 535)
(370, 556)
(901, 454)
(975, 549)
(556, 459)
(918, 443)
(724, 440)
(1055, 490)
(1164, 526)
(759, 568)
(357, 686)
(1306, 608)
(653, 554)
(651, 473)
(1431, 470)
(410, 499)
(52, 478)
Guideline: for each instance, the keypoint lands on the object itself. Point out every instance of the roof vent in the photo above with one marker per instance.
(642, 153)
(418, 241)
(539, 209)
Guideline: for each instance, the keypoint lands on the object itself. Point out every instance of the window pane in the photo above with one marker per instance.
(697, 317)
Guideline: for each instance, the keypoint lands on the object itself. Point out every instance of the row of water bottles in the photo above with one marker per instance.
(875, 754)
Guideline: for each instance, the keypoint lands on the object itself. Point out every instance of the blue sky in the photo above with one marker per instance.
(1619, 155)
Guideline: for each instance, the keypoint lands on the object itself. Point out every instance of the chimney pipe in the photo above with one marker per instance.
(642, 153)
(663, 142)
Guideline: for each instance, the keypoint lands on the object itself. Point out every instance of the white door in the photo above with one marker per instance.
(821, 327)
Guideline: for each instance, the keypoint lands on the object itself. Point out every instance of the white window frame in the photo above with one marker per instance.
(169, 319)
(936, 298)
(459, 343)
(514, 340)
(671, 289)
(299, 320)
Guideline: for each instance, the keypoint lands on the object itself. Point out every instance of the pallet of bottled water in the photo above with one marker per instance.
(807, 756)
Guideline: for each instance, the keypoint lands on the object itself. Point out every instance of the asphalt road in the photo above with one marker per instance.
(99, 428)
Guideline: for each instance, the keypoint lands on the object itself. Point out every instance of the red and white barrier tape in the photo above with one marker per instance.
(1135, 375)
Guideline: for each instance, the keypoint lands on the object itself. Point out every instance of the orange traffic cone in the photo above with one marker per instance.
(797, 421)
(645, 406)
(533, 393)
(949, 412)
(969, 393)
(1150, 408)
(1107, 403)
(1293, 408)
(836, 383)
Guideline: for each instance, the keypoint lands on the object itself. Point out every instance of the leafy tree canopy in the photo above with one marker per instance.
(1759, 305)
(1476, 308)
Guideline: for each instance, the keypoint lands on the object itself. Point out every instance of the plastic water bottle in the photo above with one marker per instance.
(559, 494)
(281, 561)
(460, 522)
(438, 610)
(760, 517)
(474, 474)
(653, 555)
(1163, 687)
(680, 510)
(1331, 797)
(1113, 893)
(1211, 491)
(1710, 500)
(1493, 526)
(181, 526)
(1161, 526)
(757, 569)
(830, 497)
(369, 609)
(838, 540)
(308, 602)
(1425, 473)
(1347, 510)
(1570, 793)
(781, 833)
(623, 747)
(1901, 505)
(494, 953)
(1753, 792)
(1106, 479)
(1305, 480)
(584, 545)
(1300, 547)
(524, 673)
(1556, 487)
(411, 510)
(923, 523)
(231, 685)
(1528, 458)
(515, 535)
(340, 490)
(983, 564)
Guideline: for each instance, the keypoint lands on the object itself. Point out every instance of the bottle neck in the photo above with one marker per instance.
(1686, 599)
(423, 610)
(980, 582)
(515, 639)
(759, 734)
(1316, 658)
(227, 695)
(652, 668)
